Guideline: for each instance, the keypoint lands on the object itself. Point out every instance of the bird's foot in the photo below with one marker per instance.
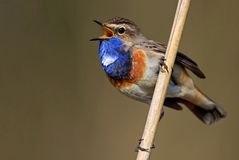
(163, 65)
(143, 149)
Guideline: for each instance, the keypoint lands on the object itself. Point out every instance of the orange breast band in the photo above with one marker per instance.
(136, 73)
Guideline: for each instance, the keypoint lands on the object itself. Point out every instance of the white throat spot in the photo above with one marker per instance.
(107, 60)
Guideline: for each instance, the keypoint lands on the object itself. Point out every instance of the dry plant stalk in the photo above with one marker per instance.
(162, 82)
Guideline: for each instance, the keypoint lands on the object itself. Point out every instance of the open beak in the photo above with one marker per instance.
(108, 33)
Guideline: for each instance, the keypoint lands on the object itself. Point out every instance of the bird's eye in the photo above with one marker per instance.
(121, 30)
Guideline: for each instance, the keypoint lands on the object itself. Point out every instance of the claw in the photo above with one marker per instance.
(163, 65)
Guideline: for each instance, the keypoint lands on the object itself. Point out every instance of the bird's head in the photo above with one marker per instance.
(122, 28)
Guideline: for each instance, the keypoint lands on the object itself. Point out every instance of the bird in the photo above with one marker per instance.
(132, 63)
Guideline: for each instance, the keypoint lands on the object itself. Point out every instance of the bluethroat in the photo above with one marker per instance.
(132, 63)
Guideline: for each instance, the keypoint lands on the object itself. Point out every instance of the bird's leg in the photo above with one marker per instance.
(161, 114)
(143, 149)
(163, 65)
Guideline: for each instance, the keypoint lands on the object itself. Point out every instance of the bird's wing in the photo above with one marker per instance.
(181, 58)
(189, 64)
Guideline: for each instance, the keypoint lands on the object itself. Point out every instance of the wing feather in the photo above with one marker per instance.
(189, 64)
(180, 58)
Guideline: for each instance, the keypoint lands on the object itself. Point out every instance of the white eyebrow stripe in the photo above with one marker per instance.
(112, 25)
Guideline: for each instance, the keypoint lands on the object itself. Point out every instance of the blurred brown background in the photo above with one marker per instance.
(57, 104)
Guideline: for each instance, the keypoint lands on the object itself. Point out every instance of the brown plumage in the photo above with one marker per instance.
(141, 80)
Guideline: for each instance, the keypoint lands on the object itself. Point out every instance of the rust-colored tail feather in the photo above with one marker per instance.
(208, 117)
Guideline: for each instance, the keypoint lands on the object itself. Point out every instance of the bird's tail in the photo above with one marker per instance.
(194, 99)
(203, 107)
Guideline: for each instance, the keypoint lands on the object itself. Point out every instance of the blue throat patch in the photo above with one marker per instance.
(114, 60)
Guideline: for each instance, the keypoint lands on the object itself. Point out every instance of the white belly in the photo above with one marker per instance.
(143, 89)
